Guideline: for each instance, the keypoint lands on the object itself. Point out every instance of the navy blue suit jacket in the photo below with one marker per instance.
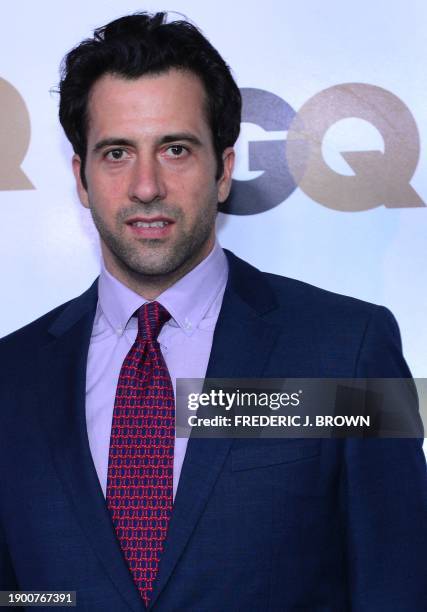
(280, 525)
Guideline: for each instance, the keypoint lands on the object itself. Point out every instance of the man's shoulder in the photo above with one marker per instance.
(328, 314)
(303, 295)
(348, 335)
(301, 298)
(37, 332)
(363, 338)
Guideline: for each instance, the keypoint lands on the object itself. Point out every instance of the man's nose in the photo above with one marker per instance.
(147, 181)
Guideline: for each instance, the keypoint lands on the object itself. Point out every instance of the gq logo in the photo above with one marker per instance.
(380, 178)
(15, 132)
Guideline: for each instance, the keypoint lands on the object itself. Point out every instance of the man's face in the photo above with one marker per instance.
(150, 173)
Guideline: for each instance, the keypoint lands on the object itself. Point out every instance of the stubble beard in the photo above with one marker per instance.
(156, 260)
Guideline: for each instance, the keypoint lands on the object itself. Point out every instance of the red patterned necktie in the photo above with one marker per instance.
(140, 468)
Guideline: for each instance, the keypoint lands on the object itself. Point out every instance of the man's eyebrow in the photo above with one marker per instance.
(186, 136)
(109, 142)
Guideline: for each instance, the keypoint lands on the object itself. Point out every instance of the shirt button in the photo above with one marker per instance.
(187, 324)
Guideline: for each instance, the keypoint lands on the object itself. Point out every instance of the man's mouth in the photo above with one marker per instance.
(150, 223)
(155, 227)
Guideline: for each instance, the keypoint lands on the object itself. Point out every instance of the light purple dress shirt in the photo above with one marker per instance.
(185, 340)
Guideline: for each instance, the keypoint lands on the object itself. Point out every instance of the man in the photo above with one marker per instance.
(89, 466)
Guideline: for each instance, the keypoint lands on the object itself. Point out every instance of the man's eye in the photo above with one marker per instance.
(115, 154)
(176, 151)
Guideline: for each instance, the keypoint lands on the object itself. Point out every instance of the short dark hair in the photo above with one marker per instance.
(141, 44)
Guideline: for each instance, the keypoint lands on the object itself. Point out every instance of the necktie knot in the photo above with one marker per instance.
(151, 318)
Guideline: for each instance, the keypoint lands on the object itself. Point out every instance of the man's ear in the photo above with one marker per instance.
(81, 189)
(224, 183)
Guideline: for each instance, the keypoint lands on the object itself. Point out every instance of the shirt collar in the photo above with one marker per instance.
(187, 301)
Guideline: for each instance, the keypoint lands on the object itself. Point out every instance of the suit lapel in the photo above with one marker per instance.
(242, 344)
(63, 375)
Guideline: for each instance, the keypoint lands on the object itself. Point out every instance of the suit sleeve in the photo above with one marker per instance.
(384, 492)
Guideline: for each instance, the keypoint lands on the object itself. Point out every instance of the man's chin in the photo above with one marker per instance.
(160, 267)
